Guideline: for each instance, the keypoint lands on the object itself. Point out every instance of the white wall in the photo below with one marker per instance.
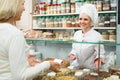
(25, 22)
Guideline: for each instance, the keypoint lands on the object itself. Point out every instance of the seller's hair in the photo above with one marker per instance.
(9, 9)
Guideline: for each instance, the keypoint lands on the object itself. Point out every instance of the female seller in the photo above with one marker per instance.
(86, 55)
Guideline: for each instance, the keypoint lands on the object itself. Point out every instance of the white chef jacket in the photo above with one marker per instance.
(87, 53)
(13, 56)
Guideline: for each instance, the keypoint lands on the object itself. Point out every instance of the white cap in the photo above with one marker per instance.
(91, 11)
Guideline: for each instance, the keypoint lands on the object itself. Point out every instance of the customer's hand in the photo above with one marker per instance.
(32, 61)
(72, 56)
(54, 66)
(97, 62)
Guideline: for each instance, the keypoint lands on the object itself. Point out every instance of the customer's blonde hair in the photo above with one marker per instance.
(9, 9)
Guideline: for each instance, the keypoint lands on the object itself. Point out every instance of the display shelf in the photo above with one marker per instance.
(105, 42)
(68, 14)
(60, 28)
(75, 28)
(101, 12)
(65, 14)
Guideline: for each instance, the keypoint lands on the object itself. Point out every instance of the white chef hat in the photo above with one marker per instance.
(91, 11)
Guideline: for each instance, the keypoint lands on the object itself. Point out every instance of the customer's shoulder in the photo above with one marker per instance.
(10, 29)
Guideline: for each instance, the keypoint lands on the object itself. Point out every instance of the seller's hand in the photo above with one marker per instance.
(97, 62)
(72, 56)
(54, 66)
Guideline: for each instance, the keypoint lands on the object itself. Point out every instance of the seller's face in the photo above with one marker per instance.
(84, 21)
(22, 8)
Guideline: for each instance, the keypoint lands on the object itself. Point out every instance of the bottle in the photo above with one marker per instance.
(64, 21)
(55, 21)
(47, 21)
(60, 21)
(51, 22)
(101, 20)
(113, 20)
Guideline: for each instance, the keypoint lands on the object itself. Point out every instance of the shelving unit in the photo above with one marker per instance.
(105, 28)
(70, 14)
(105, 42)
(67, 14)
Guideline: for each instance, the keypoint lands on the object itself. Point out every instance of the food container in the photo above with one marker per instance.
(78, 75)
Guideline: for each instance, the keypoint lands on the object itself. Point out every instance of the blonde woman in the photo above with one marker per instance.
(14, 62)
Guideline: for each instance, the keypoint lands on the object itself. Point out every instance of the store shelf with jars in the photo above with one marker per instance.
(58, 19)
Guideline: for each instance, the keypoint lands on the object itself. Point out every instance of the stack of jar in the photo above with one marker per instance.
(101, 5)
(58, 21)
(64, 35)
(109, 35)
(67, 6)
(107, 20)
(42, 7)
(54, 8)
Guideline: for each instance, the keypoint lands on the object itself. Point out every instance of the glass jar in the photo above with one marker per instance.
(73, 7)
(67, 7)
(39, 22)
(78, 4)
(63, 7)
(60, 21)
(36, 9)
(77, 21)
(52, 9)
(42, 10)
(55, 8)
(42, 4)
(43, 24)
(107, 20)
(113, 20)
(106, 5)
(64, 19)
(47, 9)
(58, 8)
(101, 20)
(47, 21)
(105, 35)
(51, 22)
(69, 23)
(56, 21)
(113, 4)
(73, 21)
(112, 35)
(99, 5)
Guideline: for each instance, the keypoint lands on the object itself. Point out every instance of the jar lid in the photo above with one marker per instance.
(112, 14)
(42, 2)
(107, 15)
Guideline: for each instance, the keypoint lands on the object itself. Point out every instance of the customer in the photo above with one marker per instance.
(86, 55)
(13, 49)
